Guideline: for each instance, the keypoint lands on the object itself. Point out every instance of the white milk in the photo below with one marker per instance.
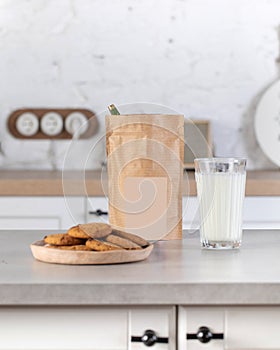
(221, 197)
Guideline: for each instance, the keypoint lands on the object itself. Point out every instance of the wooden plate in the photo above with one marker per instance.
(267, 123)
(59, 256)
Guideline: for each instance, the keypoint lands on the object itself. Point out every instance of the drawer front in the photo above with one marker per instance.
(190, 213)
(63, 328)
(258, 213)
(243, 328)
(97, 209)
(161, 320)
(261, 213)
(252, 328)
(73, 328)
(190, 319)
(41, 212)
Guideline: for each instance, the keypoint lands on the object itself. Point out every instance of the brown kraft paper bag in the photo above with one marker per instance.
(145, 173)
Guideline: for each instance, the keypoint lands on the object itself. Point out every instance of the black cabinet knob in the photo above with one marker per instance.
(98, 212)
(149, 338)
(204, 335)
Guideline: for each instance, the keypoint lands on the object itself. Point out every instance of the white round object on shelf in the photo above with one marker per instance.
(267, 123)
(76, 123)
(51, 124)
(27, 124)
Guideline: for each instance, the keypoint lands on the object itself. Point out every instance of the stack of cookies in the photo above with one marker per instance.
(95, 237)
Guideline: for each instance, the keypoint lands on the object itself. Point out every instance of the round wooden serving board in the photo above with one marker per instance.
(267, 123)
(59, 256)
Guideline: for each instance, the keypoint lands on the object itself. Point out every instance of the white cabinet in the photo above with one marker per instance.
(261, 213)
(242, 328)
(252, 328)
(161, 320)
(190, 213)
(95, 328)
(60, 213)
(190, 319)
(123, 327)
(54, 213)
(97, 209)
(258, 213)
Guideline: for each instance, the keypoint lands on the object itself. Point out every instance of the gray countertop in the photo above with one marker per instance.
(177, 272)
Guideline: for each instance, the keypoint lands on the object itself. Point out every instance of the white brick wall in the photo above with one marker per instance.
(204, 58)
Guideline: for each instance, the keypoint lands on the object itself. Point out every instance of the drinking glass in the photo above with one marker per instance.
(220, 189)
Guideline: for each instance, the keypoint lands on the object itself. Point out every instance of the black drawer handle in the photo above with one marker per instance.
(204, 335)
(98, 212)
(149, 338)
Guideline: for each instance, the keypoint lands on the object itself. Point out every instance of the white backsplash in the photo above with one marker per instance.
(208, 59)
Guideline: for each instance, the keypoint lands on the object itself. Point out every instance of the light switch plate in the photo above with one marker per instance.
(76, 123)
(51, 124)
(51, 127)
(27, 124)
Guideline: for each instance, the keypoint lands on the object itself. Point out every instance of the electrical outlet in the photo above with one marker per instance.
(51, 124)
(27, 124)
(76, 123)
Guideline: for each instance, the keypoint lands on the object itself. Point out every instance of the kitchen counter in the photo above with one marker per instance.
(177, 272)
(80, 183)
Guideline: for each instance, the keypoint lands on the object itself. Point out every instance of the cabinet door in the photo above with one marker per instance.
(41, 212)
(252, 328)
(190, 319)
(160, 320)
(261, 213)
(190, 213)
(94, 328)
(71, 328)
(243, 328)
(258, 213)
(97, 209)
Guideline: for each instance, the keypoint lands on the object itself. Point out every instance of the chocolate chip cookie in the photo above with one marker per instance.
(135, 239)
(99, 245)
(70, 247)
(59, 239)
(76, 232)
(122, 242)
(96, 229)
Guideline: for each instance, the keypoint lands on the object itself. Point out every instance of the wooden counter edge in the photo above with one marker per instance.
(259, 183)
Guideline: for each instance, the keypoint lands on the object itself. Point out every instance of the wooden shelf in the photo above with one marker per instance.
(79, 183)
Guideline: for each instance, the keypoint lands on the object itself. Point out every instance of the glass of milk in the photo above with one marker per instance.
(220, 189)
